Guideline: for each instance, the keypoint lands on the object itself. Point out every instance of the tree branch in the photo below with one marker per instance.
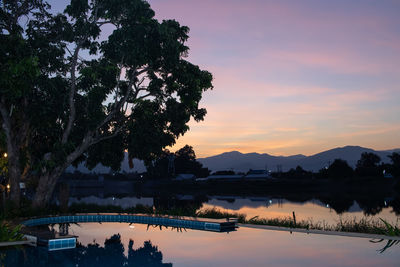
(143, 96)
(100, 139)
(72, 110)
(117, 105)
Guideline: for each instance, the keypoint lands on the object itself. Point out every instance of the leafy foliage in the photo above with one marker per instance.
(70, 92)
(340, 169)
(395, 158)
(184, 161)
(9, 233)
(367, 165)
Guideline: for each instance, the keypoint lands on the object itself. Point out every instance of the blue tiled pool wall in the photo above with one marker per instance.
(65, 243)
(198, 225)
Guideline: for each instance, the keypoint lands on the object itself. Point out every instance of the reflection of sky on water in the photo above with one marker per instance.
(245, 247)
(124, 202)
(272, 208)
(263, 207)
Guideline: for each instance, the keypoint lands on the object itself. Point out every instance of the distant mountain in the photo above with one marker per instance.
(240, 162)
(243, 162)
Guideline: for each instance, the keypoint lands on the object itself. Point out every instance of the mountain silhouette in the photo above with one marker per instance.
(242, 162)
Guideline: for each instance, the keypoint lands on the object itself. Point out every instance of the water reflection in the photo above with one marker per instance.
(327, 209)
(389, 243)
(114, 246)
(112, 253)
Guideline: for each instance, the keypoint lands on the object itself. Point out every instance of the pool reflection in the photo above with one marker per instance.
(118, 244)
(112, 253)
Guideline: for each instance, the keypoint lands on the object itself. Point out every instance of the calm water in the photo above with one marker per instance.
(329, 212)
(118, 244)
(313, 210)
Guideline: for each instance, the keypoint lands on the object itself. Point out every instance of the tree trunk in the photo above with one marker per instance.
(14, 174)
(48, 180)
(44, 191)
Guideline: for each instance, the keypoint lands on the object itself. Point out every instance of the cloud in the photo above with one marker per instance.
(293, 77)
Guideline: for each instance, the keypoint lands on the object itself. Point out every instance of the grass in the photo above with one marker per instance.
(9, 233)
(363, 225)
(391, 230)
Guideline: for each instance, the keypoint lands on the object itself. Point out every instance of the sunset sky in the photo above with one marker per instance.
(292, 77)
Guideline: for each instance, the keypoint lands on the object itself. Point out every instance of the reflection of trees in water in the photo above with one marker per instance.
(339, 205)
(112, 254)
(389, 243)
(370, 205)
(175, 204)
(395, 204)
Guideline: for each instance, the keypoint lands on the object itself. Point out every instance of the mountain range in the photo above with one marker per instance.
(242, 162)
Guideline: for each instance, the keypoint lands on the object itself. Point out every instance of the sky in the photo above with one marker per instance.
(293, 76)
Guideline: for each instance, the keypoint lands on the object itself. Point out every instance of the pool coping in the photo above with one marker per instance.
(320, 232)
(214, 225)
(18, 243)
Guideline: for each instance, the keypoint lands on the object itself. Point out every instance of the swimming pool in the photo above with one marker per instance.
(124, 244)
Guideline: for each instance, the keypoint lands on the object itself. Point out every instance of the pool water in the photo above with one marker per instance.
(121, 244)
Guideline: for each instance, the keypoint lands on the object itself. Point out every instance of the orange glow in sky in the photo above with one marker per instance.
(293, 77)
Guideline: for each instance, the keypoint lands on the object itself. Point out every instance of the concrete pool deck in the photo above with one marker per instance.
(319, 232)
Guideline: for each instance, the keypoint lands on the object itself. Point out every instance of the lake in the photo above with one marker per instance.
(328, 211)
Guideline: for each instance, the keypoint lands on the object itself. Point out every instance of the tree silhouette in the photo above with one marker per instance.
(111, 254)
(339, 169)
(367, 165)
(72, 91)
(184, 161)
(395, 158)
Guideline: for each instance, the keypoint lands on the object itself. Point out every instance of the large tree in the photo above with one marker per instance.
(367, 165)
(183, 161)
(70, 92)
(340, 169)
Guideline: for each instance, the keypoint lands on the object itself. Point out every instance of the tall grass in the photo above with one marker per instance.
(9, 233)
(363, 225)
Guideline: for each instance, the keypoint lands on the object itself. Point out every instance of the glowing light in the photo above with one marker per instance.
(8, 186)
(5, 155)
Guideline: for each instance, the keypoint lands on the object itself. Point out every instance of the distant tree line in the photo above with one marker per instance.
(184, 161)
(369, 165)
